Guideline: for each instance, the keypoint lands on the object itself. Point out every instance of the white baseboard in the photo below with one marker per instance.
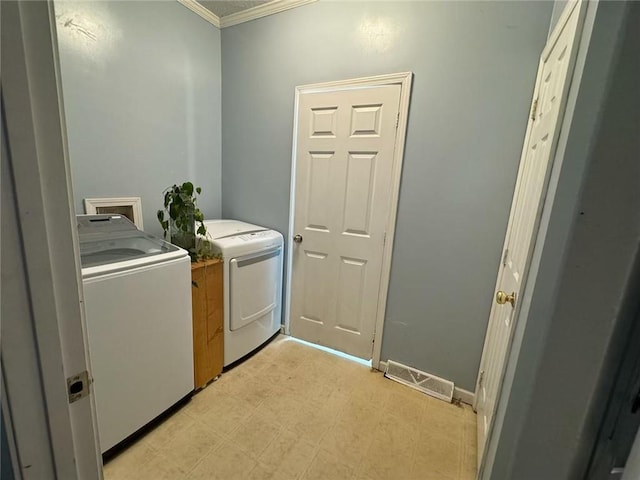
(461, 394)
(465, 396)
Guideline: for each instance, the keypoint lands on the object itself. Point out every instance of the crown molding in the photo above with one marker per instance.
(264, 10)
(201, 11)
(260, 11)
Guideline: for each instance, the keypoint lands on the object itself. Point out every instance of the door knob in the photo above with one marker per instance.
(297, 239)
(504, 297)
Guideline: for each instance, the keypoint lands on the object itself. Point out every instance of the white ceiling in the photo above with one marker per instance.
(222, 8)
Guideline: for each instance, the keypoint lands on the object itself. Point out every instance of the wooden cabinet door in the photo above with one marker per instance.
(208, 333)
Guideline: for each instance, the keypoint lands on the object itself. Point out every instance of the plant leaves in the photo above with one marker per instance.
(180, 205)
(174, 209)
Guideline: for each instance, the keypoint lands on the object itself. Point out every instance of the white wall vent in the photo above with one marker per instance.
(425, 382)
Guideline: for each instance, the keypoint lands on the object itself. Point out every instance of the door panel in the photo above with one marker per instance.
(361, 169)
(316, 268)
(344, 160)
(535, 164)
(319, 187)
(350, 290)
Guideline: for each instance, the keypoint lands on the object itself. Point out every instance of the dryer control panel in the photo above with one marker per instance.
(247, 237)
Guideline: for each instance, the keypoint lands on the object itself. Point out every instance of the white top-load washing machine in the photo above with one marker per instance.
(252, 258)
(137, 296)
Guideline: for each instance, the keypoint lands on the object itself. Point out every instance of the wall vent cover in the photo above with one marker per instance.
(425, 382)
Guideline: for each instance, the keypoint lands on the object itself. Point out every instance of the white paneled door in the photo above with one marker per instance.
(539, 147)
(343, 197)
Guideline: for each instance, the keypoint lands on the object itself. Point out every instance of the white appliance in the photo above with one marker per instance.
(137, 295)
(252, 283)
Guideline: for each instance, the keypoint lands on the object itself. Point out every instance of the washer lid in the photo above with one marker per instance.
(137, 245)
(217, 229)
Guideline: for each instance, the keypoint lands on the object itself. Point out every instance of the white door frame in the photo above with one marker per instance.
(44, 339)
(404, 80)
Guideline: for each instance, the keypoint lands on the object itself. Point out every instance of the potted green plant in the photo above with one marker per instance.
(183, 214)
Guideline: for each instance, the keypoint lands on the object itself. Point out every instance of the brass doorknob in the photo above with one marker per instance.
(504, 297)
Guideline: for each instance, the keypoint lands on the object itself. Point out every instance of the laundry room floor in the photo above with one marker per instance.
(295, 412)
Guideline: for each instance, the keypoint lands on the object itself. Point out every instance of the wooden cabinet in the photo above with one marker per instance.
(208, 331)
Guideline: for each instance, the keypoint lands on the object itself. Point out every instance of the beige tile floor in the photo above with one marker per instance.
(296, 412)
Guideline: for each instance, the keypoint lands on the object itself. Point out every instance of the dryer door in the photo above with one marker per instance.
(255, 281)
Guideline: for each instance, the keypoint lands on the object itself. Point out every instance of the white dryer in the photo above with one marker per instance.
(252, 258)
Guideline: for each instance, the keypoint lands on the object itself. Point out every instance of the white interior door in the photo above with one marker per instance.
(343, 196)
(539, 147)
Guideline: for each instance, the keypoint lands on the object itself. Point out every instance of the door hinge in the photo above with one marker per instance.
(384, 239)
(504, 257)
(397, 119)
(78, 386)
(534, 109)
(480, 379)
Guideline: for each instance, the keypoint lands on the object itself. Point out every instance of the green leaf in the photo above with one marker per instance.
(182, 214)
(174, 210)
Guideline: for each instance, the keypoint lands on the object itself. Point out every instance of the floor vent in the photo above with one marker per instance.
(426, 383)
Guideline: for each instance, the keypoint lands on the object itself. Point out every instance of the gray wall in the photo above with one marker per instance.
(474, 66)
(558, 8)
(141, 85)
(577, 301)
(6, 469)
(632, 468)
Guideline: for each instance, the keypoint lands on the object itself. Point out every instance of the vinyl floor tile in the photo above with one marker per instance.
(292, 412)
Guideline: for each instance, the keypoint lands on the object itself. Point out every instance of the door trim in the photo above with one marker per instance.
(46, 331)
(404, 80)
